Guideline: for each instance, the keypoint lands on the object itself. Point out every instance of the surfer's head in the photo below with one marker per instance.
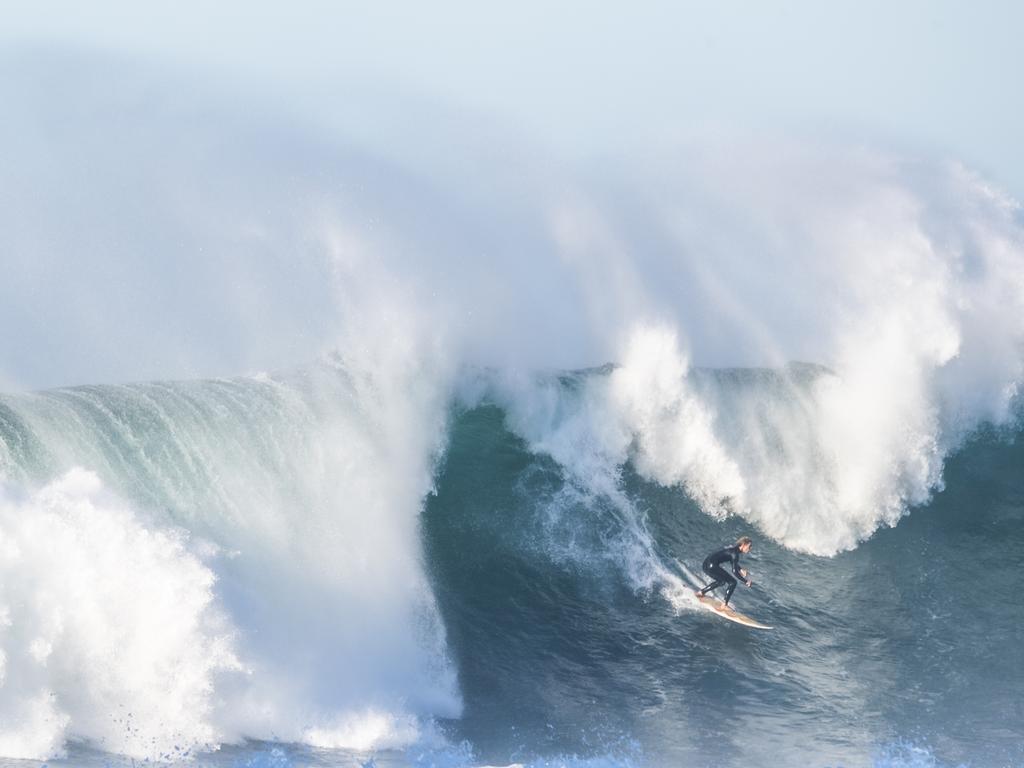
(744, 543)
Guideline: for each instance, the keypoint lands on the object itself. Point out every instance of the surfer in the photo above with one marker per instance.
(719, 576)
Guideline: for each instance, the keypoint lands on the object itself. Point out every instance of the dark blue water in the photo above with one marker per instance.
(914, 636)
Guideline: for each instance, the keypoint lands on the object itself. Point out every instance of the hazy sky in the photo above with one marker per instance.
(592, 78)
(160, 160)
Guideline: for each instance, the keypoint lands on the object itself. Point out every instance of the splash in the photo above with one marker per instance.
(903, 284)
(109, 631)
(303, 494)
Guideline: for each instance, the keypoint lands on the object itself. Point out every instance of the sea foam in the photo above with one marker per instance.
(109, 630)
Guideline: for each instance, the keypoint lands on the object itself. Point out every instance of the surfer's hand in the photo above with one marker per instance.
(743, 572)
(750, 582)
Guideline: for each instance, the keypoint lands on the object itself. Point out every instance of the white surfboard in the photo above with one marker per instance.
(717, 606)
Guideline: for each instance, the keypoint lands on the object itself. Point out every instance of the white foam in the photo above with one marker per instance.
(904, 754)
(905, 280)
(109, 633)
(304, 494)
(365, 732)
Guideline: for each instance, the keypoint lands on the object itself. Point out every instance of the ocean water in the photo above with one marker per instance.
(193, 565)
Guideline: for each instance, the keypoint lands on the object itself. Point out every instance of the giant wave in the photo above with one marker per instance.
(257, 526)
(451, 527)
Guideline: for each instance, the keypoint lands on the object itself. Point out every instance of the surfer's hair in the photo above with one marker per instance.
(744, 540)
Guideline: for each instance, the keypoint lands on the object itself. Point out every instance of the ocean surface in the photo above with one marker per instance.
(260, 572)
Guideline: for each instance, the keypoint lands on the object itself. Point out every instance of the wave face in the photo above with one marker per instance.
(450, 536)
(571, 627)
(238, 562)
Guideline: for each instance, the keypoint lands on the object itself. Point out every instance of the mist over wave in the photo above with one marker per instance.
(280, 515)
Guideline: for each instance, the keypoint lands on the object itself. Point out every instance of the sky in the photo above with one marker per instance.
(599, 78)
(162, 158)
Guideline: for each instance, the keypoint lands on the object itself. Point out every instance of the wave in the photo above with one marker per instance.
(258, 541)
(901, 275)
(286, 511)
(287, 500)
(570, 624)
(787, 449)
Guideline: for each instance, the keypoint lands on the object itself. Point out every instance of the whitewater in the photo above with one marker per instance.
(435, 514)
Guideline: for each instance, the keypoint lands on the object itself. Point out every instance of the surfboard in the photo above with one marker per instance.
(717, 606)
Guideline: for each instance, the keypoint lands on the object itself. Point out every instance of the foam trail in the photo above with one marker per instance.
(695, 582)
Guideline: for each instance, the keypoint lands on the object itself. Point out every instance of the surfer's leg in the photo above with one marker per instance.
(710, 587)
(730, 588)
(718, 578)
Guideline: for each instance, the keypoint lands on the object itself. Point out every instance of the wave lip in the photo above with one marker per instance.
(817, 459)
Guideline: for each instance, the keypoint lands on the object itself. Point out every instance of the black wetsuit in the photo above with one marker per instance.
(719, 576)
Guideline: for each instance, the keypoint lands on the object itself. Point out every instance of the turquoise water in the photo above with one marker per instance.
(525, 613)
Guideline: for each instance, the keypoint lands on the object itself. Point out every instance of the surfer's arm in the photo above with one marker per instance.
(739, 572)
